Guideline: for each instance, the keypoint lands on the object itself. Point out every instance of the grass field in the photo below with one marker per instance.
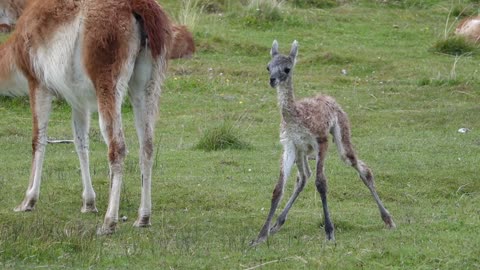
(406, 103)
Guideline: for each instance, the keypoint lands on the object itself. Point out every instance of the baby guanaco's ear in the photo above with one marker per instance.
(274, 50)
(294, 51)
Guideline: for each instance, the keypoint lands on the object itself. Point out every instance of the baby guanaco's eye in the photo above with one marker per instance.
(286, 70)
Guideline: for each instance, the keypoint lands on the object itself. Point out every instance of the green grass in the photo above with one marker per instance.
(222, 137)
(455, 46)
(405, 103)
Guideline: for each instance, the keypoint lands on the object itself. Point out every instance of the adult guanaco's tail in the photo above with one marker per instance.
(156, 25)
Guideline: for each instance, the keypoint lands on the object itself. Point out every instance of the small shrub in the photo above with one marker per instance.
(424, 82)
(220, 138)
(454, 46)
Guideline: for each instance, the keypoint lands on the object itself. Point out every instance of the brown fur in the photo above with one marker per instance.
(183, 43)
(45, 16)
(35, 128)
(469, 29)
(6, 60)
(39, 22)
(156, 24)
(5, 28)
(305, 127)
(104, 49)
(315, 113)
(41, 18)
(109, 53)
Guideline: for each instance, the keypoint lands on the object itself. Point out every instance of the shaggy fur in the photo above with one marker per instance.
(183, 43)
(304, 131)
(13, 83)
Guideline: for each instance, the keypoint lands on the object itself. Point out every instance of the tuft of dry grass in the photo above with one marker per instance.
(190, 13)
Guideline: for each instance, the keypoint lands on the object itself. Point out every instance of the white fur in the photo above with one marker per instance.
(145, 90)
(300, 137)
(298, 142)
(59, 65)
(43, 103)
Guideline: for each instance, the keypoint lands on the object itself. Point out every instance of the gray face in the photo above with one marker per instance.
(280, 68)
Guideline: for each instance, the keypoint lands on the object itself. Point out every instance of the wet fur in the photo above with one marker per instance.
(304, 130)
